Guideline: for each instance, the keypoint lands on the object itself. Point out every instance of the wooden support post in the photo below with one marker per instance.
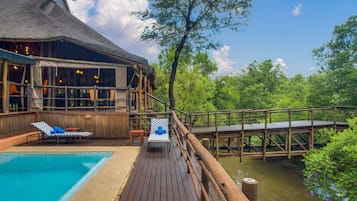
(335, 118)
(5, 89)
(242, 139)
(140, 89)
(204, 177)
(250, 188)
(217, 137)
(311, 140)
(145, 94)
(265, 136)
(289, 136)
(229, 145)
(189, 154)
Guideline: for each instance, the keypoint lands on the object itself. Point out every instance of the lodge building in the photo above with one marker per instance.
(50, 60)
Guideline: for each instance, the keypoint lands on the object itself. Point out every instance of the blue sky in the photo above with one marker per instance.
(275, 31)
(285, 31)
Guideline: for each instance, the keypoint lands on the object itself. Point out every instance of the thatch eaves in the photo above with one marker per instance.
(51, 20)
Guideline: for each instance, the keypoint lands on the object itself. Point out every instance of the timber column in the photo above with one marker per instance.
(4, 94)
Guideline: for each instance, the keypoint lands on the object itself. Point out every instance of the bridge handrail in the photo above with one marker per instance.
(222, 182)
(232, 117)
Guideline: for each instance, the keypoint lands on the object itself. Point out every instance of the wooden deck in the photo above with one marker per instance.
(159, 174)
(269, 126)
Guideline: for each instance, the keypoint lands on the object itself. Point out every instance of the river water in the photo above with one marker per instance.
(278, 179)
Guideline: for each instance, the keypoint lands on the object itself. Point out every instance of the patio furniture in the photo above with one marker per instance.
(52, 132)
(159, 131)
(134, 133)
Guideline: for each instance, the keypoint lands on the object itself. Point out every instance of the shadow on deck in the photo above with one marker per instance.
(159, 174)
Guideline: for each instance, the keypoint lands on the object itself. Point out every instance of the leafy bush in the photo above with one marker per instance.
(324, 135)
(331, 172)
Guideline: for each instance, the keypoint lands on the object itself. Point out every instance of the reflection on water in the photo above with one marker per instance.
(278, 179)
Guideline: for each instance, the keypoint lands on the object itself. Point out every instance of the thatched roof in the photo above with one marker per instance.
(51, 20)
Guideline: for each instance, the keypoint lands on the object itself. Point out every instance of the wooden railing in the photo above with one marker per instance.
(247, 116)
(211, 171)
(17, 98)
(95, 98)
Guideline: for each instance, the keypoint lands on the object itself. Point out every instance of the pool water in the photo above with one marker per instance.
(46, 176)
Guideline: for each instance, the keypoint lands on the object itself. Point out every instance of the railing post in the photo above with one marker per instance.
(289, 136)
(250, 188)
(217, 137)
(335, 117)
(66, 98)
(312, 129)
(28, 91)
(190, 120)
(204, 177)
(189, 154)
(95, 97)
(265, 135)
(242, 139)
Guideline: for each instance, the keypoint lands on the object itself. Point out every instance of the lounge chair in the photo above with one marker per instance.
(48, 131)
(159, 132)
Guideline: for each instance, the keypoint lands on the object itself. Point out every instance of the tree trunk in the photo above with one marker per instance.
(173, 72)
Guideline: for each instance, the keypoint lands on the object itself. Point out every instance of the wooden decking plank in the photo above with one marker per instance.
(164, 168)
(159, 175)
(147, 177)
(181, 173)
(189, 189)
(129, 195)
(175, 192)
(152, 181)
(157, 186)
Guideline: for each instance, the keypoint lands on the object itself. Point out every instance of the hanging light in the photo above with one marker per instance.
(27, 49)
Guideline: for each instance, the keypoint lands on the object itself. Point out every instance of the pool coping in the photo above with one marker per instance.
(109, 181)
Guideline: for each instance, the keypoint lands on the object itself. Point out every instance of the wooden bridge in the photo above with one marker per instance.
(267, 133)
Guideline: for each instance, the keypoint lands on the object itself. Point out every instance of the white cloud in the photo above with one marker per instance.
(279, 62)
(312, 68)
(113, 19)
(224, 64)
(297, 10)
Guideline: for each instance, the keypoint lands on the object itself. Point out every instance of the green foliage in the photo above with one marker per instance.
(338, 58)
(292, 92)
(332, 171)
(190, 79)
(188, 25)
(258, 84)
(201, 90)
(195, 21)
(320, 91)
(226, 93)
(323, 136)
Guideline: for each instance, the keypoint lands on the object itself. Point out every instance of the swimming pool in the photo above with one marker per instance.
(39, 176)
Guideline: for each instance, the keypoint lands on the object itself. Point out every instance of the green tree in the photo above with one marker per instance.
(332, 171)
(189, 24)
(258, 84)
(194, 89)
(338, 58)
(320, 91)
(292, 92)
(226, 93)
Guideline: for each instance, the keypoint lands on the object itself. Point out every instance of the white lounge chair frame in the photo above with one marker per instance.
(46, 130)
(156, 138)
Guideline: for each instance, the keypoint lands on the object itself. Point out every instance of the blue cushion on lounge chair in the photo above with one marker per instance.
(160, 130)
(58, 129)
